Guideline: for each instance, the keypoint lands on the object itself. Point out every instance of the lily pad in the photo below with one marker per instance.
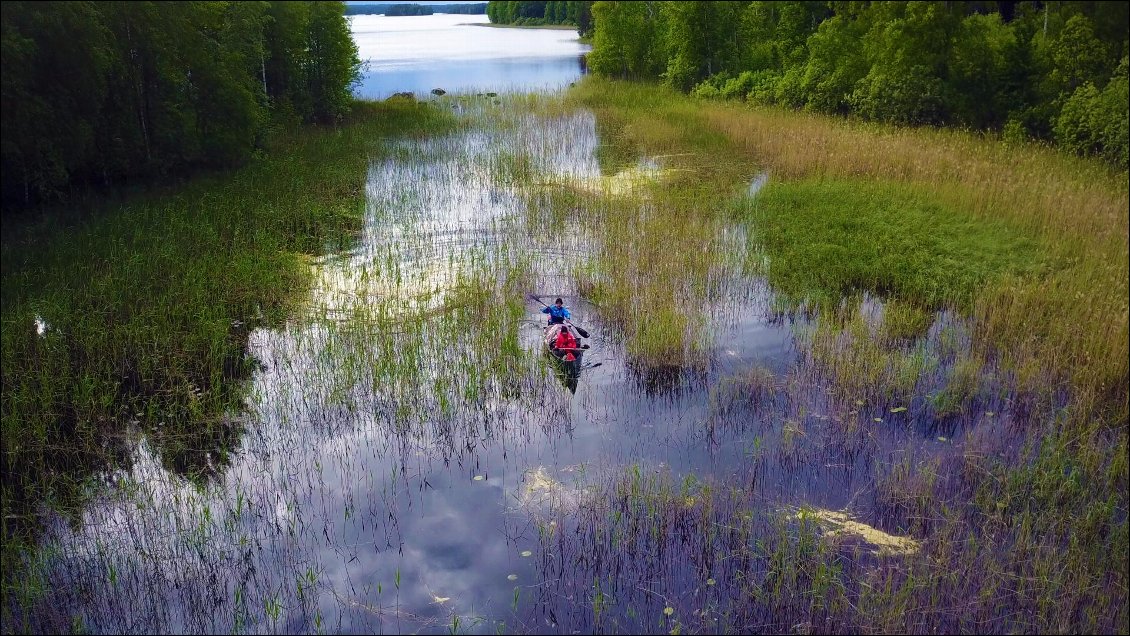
(898, 409)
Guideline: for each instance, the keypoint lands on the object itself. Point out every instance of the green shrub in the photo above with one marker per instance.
(1095, 122)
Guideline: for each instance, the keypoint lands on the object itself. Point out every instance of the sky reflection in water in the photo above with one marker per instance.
(419, 53)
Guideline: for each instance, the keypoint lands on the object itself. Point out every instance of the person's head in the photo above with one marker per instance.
(558, 302)
(564, 329)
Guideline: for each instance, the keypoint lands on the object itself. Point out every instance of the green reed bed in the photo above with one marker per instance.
(826, 240)
(643, 551)
(657, 256)
(943, 280)
(409, 344)
(148, 302)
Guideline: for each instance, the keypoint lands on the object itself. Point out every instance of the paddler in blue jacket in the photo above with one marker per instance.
(557, 313)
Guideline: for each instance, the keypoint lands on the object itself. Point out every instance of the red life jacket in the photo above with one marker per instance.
(565, 341)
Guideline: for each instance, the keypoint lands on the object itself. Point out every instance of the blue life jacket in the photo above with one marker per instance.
(555, 314)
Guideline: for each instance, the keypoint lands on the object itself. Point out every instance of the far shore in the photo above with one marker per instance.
(557, 27)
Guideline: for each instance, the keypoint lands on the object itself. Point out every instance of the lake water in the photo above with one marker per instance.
(419, 53)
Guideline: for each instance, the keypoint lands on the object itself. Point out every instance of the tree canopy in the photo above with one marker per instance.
(1041, 70)
(578, 14)
(98, 92)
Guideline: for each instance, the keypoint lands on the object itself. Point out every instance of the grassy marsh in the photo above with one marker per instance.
(401, 459)
(148, 303)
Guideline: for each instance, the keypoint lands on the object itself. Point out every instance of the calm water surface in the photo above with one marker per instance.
(419, 53)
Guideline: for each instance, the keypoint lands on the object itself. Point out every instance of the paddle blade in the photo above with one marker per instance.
(584, 334)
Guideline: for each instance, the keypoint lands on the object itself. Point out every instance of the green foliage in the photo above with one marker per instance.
(1078, 56)
(331, 66)
(541, 13)
(977, 64)
(1095, 122)
(628, 44)
(835, 65)
(907, 56)
(97, 93)
(911, 95)
(408, 9)
(702, 39)
(931, 63)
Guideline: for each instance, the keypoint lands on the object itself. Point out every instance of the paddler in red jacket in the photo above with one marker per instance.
(567, 342)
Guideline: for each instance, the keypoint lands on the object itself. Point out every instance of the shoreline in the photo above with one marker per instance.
(553, 27)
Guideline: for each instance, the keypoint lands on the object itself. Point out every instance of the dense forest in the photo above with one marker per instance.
(578, 14)
(401, 9)
(98, 92)
(408, 9)
(1045, 70)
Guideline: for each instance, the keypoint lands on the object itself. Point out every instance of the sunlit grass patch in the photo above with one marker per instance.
(833, 238)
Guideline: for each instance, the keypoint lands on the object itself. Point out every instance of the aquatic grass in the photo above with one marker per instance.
(904, 322)
(861, 365)
(149, 301)
(829, 239)
(1023, 233)
(1002, 290)
(414, 360)
(816, 569)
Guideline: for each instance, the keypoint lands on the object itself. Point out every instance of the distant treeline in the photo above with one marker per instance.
(98, 92)
(1045, 70)
(578, 14)
(415, 9)
(407, 9)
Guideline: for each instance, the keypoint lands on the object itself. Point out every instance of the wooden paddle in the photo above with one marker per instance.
(580, 329)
